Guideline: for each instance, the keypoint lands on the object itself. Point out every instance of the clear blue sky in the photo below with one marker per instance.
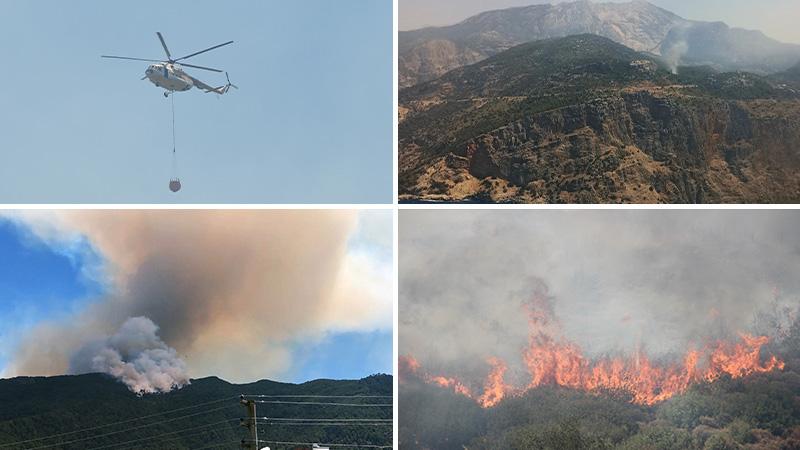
(312, 122)
(53, 281)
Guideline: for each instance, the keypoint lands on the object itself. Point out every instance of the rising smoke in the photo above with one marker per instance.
(136, 356)
(618, 282)
(230, 291)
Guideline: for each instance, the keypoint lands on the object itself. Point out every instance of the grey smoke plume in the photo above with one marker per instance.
(618, 280)
(674, 55)
(231, 291)
(136, 356)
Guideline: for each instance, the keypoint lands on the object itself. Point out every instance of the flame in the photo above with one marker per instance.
(495, 388)
(410, 368)
(557, 362)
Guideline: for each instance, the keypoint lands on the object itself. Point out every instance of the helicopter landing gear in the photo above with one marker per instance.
(166, 94)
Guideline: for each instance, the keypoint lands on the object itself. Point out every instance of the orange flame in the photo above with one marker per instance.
(494, 388)
(552, 362)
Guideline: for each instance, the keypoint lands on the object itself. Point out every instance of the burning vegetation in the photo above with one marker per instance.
(552, 360)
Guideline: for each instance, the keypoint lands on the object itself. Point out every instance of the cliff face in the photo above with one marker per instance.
(583, 119)
(643, 145)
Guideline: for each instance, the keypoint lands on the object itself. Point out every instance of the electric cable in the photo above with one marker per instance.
(115, 423)
(325, 445)
(88, 438)
(322, 403)
(162, 435)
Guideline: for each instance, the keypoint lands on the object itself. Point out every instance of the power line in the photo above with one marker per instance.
(325, 424)
(222, 444)
(162, 435)
(326, 445)
(294, 419)
(322, 403)
(252, 422)
(317, 396)
(115, 423)
(88, 438)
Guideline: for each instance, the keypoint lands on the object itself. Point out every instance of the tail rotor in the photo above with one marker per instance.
(228, 86)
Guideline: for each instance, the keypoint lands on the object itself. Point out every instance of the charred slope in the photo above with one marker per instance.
(583, 119)
(33, 407)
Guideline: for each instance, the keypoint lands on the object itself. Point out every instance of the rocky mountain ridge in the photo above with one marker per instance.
(428, 53)
(583, 119)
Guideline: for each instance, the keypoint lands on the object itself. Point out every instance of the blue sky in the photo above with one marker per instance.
(312, 122)
(54, 280)
(777, 18)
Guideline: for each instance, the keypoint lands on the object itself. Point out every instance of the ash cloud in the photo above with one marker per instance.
(135, 355)
(618, 281)
(231, 291)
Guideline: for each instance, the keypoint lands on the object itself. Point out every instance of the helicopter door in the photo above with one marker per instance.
(166, 73)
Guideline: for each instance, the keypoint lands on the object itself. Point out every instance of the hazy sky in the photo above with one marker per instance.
(618, 280)
(777, 18)
(243, 295)
(312, 122)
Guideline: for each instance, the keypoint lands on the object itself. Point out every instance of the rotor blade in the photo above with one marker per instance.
(164, 44)
(206, 50)
(132, 59)
(201, 67)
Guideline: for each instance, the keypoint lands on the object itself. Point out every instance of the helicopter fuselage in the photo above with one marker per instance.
(169, 77)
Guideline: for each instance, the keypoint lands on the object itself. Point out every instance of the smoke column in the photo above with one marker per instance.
(229, 291)
(136, 356)
(619, 282)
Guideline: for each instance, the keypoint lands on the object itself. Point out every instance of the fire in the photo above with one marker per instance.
(410, 368)
(554, 361)
(494, 388)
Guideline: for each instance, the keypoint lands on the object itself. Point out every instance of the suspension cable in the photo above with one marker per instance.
(164, 434)
(325, 445)
(111, 433)
(322, 403)
(317, 396)
(115, 423)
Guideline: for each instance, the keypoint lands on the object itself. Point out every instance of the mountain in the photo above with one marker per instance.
(790, 76)
(726, 48)
(203, 413)
(430, 52)
(583, 119)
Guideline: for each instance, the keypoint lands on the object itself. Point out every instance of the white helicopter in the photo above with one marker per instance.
(169, 75)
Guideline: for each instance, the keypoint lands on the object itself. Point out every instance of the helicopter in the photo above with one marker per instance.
(169, 74)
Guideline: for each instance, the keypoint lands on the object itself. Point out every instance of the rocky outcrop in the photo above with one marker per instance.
(638, 146)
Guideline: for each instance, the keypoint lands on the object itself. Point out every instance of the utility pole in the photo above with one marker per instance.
(250, 424)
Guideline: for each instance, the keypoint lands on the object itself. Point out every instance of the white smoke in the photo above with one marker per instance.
(136, 356)
(674, 55)
(232, 292)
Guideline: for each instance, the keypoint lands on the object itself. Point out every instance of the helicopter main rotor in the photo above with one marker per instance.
(169, 59)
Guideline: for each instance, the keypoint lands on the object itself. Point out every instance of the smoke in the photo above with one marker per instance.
(231, 291)
(136, 356)
(675, 46)
(617, 281)
(673, 55)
